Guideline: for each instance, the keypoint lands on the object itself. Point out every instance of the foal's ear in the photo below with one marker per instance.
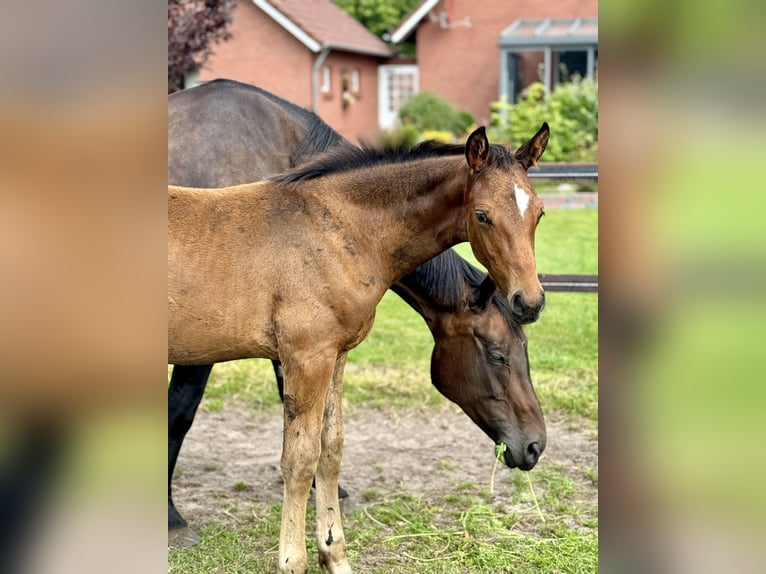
(482, 295)
(477, 149)
(530, 152)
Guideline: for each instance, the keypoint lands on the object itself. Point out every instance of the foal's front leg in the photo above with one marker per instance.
(330, 540)
(307, 378)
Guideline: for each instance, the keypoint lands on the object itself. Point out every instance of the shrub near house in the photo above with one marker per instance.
(571, 109)
(429, 111)
(427, 116)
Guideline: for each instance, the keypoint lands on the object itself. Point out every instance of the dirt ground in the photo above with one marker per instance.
(423, 452)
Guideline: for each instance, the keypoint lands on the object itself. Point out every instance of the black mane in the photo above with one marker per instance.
(442, 281)
(342, 159)
(319, 138)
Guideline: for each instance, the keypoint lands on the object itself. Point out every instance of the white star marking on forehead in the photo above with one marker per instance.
(522, 199)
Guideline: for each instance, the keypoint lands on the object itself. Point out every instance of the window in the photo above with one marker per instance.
(551, 51)
(326, 84)
(401, 87)
(396, 84)
(350, 81)
(572, 63)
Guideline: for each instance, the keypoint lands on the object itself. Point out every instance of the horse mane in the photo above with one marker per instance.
(442, 280)
(350, 158)
(319, 138)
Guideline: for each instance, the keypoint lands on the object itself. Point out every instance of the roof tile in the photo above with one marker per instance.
(328, 24)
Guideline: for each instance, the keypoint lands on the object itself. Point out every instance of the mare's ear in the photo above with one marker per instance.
(482, 295)
(477, 149)
(530, 152)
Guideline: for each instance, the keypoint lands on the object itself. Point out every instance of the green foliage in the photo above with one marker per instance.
(429, 111)
(193, 26)
(378, 16)
(571, 110)
(401, 136)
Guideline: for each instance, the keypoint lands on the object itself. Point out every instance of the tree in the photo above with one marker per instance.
(193, 25)
(378, 16)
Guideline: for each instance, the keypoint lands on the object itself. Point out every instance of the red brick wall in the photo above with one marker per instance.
(463, 64)
(358, 120)
(263, 53)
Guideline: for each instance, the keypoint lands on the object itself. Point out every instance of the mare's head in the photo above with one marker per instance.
(503, 213)
(480, 363)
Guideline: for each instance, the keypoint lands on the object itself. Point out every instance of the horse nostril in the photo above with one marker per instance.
(517, 304)
(533, 452)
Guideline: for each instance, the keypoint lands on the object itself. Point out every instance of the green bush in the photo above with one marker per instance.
(429, 111)
(402, 136)
(571, 110)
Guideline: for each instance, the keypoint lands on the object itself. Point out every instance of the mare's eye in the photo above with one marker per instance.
(539, 217)
(497, 357)
(482, 218)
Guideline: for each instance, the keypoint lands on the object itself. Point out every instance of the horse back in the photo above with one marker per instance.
(226, 133)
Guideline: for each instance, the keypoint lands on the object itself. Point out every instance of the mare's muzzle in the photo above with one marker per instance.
(528, 458)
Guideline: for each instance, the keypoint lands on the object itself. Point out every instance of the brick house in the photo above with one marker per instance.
(309, 52)
(473, 53)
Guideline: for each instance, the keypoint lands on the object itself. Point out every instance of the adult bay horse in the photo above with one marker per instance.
(225, 132)
(293, 267)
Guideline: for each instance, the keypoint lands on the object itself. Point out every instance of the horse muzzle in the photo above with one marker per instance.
(524, 310)
(525, 460)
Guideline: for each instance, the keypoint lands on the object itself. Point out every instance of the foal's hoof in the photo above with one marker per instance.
(182, 537)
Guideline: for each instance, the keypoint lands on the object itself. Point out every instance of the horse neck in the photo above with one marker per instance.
(408, 212)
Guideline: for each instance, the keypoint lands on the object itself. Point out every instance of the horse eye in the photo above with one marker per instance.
(497, 358)
(482, 218)
(540, 216)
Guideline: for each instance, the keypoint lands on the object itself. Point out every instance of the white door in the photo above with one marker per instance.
(396, 84)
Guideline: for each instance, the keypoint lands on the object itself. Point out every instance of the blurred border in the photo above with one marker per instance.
(82, 288)
(682, 306)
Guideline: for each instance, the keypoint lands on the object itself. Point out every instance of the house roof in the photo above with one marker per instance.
(411, 20)
(319, 24)
(552, 32)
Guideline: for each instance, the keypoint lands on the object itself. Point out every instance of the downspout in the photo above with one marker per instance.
(315, 78)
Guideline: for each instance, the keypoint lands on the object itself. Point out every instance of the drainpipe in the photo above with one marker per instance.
(315, 78)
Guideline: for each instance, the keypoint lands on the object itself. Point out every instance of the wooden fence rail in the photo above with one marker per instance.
(572, 283)
(565, 171)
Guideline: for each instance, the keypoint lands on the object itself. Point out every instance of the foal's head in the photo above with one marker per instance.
(503, 213)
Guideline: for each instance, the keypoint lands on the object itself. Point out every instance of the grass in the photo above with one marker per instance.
(465, 529)
(462, 531)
